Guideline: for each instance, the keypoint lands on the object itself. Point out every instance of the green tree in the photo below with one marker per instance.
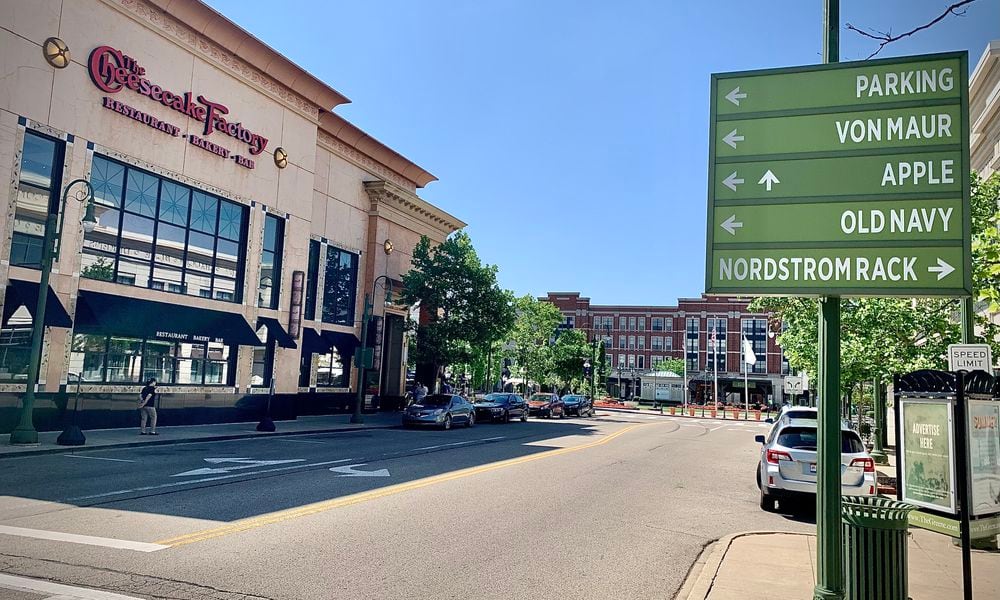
(674, 365)
(534, 327)
(102, 268)
(570, 351)
(602, 368)
(463, 308)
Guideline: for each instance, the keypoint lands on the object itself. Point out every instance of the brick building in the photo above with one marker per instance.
(636, 338)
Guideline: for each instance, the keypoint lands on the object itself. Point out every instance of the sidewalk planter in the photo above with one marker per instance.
(712, 412)
(756, 415)
(735, 413)
(691, 412)
(875, 532)
(672, 411)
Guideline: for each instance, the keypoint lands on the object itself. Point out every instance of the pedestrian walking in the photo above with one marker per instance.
(419, 393)
(147, 408)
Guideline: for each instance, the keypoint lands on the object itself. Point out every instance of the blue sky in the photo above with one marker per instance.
(572, 136)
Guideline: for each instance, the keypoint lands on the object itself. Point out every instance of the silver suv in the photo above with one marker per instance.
(787, 469)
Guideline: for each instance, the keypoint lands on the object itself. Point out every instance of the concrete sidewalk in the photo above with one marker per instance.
(779, 566)
(125, 438)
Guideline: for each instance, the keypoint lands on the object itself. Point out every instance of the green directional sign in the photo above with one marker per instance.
(841, 179)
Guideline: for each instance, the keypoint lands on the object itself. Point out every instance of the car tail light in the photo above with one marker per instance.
(867, 463)
(871, 490)
(773, 456)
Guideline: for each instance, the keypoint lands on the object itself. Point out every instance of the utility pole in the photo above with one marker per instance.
(829, 542)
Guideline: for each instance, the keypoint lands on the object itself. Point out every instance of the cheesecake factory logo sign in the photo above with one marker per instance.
(113, 71)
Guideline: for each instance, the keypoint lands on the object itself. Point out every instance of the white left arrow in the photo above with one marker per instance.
(732, 181)
(731, 224)
(240, 463)
(942, 269)
(731, 138)
(735, 96)
(768, 179)
(351, 471)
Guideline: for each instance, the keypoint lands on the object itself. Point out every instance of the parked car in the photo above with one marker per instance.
(501, 407)
(546, 405)
(787, 468)
(579, 405)
(440, 410)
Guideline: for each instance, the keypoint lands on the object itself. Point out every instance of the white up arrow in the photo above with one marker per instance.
(732, 181)
(942, 269)
(731, 138)
(731, 224)
(735, 96)
(768, 179)
(241, 463)
(351, 471)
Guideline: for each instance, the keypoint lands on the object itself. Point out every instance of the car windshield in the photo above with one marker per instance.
(436, 400)
(804, 438)
(541, 397)
(800, 414)
(494, 398)
(572, 398)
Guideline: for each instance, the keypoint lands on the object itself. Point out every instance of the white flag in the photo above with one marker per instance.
(748, 356)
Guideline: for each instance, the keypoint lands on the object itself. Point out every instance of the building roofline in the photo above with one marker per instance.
(214, 25)
(977, 73)
(353, 136)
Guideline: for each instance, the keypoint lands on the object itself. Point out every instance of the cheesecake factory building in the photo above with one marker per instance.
(237, 223)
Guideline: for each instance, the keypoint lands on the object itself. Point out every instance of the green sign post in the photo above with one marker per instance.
(841, 179)
(835, 180)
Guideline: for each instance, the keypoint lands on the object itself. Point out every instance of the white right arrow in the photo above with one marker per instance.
(943, 269)
(768, 179)
(731, 224)
(731, 138)
(735, 96)
(351, 471)
(732, 181)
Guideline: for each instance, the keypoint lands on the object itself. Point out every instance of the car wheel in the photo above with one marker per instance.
(447, 422)
(562, 414)
(524, 416)
(766, 502)
(758, 477)
(505, 418)
(471, 420)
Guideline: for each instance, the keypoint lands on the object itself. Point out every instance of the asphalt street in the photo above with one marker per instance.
(617, 506)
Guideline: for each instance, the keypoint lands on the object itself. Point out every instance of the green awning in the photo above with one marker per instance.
(108, 314)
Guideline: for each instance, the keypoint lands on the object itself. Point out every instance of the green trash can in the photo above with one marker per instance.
(875, 532)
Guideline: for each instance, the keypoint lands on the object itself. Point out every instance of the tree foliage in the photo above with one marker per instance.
(570, 351)
(674, 365)
(466, 308)
(534, 327)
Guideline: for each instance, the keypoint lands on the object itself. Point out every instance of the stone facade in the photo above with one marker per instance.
(339, 187)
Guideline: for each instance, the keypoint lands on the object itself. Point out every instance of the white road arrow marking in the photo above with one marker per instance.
(942, 269)
(351, 471)
(768, 179)
(731, 138)
(732, 181)
(242, 463)
(731, 224)
(735, 96)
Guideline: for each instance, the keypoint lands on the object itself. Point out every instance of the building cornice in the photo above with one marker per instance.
(351, 139)
(399, 205)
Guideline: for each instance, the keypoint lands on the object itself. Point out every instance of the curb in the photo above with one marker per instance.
(702, 573)
(169, 442)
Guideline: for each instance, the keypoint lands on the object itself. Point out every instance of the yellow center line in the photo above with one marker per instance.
(318, 507)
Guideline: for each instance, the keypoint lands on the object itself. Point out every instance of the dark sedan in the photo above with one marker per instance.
(440, 410)
(502, 408)
(546, 405)
(578, 405)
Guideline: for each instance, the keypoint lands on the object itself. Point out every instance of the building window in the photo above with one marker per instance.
(755, 330)
(631, 342)
(657, 343)
(608, 360)
(642, 361)
(263, 360)
(716, 331)
(691, 344)
(340, 286)
(115, 359)
(608, 340)
(570, 322)
(641, 342)
(330, 370)
(15, 346)
(631, 361)
(622, 323)
(270, 262)
(657, 323)
(312, 280)
(631, 323)
(37, 195)
(155, 233)
(668, 324)
(621, 361)
(621, 342)
(668, 343)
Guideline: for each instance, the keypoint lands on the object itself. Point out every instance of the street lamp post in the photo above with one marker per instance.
(72, 435)
(361, 358)
(25, 432)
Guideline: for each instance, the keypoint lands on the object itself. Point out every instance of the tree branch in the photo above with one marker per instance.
(886, 37)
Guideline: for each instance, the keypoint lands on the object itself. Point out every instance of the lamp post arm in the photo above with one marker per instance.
(85, 195)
